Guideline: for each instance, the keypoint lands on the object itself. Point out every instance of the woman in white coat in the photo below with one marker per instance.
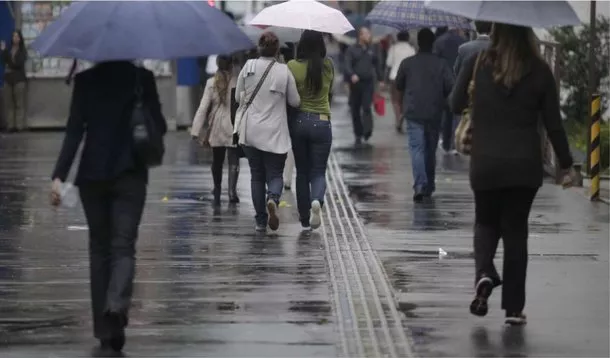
(213, 126)
(267, 86)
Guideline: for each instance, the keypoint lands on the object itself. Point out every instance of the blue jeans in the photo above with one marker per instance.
(311, 142)
(267, 182)
(423, 141)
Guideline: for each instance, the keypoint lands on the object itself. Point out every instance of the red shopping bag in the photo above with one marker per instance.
(379, 104)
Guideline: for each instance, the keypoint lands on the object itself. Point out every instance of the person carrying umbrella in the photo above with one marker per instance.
(363, 67)
(14, 57)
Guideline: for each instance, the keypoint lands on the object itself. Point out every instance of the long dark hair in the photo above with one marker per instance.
(512, 51)
(312, 49)
(21, 42)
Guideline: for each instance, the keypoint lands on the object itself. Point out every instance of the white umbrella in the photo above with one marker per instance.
(305, 15)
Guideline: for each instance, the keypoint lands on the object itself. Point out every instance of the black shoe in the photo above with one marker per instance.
(358, 141)
(105, 350)
(483, 290)
(418, 198)
(287, 187)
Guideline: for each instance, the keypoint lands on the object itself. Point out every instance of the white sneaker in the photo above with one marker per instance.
(314, 215)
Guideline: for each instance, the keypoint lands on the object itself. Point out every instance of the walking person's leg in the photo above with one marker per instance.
(302, 161)
(447, 130)
(321, 141)
(417, 146)
(9, 105)
(355, 102)
(20, 91)
(288, 170)
(3, 119)
(487, 232)
(515, 232)
(97, 207)
(368, 90)
(431, 136)
(397, 106)
(258, 185)
(128, 198)
(218, 158)
(274, 171)
(233, 158)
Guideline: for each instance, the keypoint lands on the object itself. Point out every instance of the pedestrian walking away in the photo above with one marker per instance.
(310, 126)
(112, 182)
(398, 52)
(14, 57)
(446, 46)
(474, 47)
(264, 88)
(424, 82)
(364, 69)
(213, 126)
(513, 88)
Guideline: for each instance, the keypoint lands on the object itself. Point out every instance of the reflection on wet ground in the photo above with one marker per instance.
(427, 253)
(206, 284)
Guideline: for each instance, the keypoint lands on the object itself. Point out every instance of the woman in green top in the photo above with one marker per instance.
(310, 127)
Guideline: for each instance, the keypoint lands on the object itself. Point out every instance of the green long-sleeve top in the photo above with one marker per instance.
(313, 102)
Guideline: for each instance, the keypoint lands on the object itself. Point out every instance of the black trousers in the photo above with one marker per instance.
(218, 159)
(503, 213)
(113, 210)
(360, 101)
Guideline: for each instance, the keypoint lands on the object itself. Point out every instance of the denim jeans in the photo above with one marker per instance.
(311, 141)
(423, 141)
(267, 182)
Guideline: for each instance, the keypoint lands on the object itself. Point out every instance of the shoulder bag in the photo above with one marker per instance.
(243, 107)
(147, 137)
(463, 132)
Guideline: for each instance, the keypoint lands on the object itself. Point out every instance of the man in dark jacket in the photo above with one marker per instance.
(446, 46)
(112, 183)
(363, 67)
(424, 82)
(474, 47)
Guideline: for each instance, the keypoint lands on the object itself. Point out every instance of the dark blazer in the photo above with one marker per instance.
(470, 49)
(15, 66)
(102, 100)
(506, 148)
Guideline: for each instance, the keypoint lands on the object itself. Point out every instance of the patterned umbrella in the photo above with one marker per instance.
(413, 14)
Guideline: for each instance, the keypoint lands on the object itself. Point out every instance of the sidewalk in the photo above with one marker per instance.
(206, 285)
(568, 260)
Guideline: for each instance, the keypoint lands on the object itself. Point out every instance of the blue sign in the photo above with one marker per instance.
(7, 26)
(188, 72)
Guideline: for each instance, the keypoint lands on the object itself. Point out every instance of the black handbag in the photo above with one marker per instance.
(234, 107)
(147, 137)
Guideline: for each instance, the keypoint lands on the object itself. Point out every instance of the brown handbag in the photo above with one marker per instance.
(463, 132)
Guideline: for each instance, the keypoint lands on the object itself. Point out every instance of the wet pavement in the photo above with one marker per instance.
(370, 283)
(206, 284)
(568, 272)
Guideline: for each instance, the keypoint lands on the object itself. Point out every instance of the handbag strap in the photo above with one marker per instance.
(260, 83)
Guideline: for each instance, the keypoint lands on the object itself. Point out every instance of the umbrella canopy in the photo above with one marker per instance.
(284, 35)
(126, 30)
(305, 15)
(524, 13)
(412, 14)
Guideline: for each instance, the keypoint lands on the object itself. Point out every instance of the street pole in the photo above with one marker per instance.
(592, 78)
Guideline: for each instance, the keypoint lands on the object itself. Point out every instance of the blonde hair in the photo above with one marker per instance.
(512, 52)
(222, 77)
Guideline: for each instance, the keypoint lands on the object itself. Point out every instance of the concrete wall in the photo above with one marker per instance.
(49, 101)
